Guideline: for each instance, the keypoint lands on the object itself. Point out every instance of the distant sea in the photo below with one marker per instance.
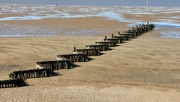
(158, 3)
(170, 15)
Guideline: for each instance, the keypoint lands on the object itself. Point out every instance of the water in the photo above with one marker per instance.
(157, 3)
(170, 16)
(167, 30)
(170, 34)
(37, 12)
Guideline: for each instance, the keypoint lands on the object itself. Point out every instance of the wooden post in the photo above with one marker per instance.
(105, 37)
(74, 49)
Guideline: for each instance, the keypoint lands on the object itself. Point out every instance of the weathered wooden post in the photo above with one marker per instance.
(74, 49)
(48, 73)
(0, 84)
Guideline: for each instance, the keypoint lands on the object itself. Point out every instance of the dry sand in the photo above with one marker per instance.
(144, 69)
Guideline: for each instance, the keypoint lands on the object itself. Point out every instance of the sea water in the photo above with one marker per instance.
(169, 19)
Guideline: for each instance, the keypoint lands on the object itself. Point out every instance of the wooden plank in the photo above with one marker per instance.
(131, 36)
(99, 47)
(109, 43)
(127, 37)
(55, 65)
(74, 57)
(34, 73)
(88, 52)
(122, 37)
(114, 39)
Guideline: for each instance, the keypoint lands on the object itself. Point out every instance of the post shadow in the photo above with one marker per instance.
(72, 65)
(52, 74)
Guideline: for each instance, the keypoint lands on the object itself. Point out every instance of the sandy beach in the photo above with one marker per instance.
(144, 69)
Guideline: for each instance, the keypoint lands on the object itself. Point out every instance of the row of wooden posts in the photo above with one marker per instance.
(65, 61)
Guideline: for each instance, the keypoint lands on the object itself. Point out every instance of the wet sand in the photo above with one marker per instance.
(144, 69)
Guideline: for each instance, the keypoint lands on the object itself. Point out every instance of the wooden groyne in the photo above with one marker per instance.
(54, 65)
(10, 83)
(34, 73)
(43, 68)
